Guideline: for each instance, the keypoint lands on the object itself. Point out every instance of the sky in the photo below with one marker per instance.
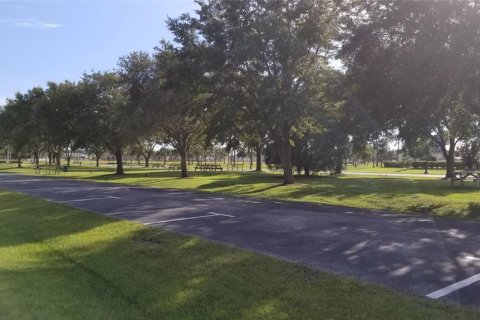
(44, 41)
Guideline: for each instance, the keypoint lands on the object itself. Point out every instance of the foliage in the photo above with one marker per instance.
(272, 56)
(412, 67)
(470, 152)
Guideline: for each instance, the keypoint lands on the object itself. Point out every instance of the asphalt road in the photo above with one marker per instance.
(416, 254)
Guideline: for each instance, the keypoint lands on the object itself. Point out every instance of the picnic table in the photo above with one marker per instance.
(174, 167)
(463, 175)
(208, 167)
(235, 166)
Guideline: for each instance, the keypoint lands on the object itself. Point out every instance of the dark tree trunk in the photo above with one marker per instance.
(49, 158)
(339, 162)
(338, 167)
(147, 161)
(451, 159)
(183, 163)
(59, 160)
(449, 156)
(285, 152)
(97, 158)
(68, 161)
(119, 158)
(36, 158)
(250, 153)
(19, 160)
(258, 151)
(307, 171)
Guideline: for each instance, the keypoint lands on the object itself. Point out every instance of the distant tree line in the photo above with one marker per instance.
(257, 75)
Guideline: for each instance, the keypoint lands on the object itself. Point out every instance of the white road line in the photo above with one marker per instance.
(221, 214)
(87, 199)
(454, 287)
(209, 215)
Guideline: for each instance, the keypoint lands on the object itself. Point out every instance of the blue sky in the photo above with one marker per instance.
(54, 41)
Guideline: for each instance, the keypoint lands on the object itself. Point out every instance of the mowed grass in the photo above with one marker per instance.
(61, 263)
(400, 194)
(370, 169)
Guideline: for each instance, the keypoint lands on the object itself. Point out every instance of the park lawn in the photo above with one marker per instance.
(58, 262)
(371, 169)
(399, 194)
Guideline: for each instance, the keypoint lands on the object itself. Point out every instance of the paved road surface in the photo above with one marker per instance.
(411, 253)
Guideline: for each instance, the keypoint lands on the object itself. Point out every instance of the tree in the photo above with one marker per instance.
(97, 148)
(138, 74)
(18, 125)
(59, 115)
(268, 50)
(412, 67)
(469, 152)
(110, 113)
(181, 98)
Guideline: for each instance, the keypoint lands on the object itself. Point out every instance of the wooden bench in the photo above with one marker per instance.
(158, 165)
(208, 167)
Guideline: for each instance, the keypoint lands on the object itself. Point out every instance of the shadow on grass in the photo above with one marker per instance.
(474, 210)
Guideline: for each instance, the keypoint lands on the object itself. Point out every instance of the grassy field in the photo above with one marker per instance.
(403, 194)
(371, 169)
(61, 263)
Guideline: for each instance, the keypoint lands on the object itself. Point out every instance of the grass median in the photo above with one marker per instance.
(400, 194)
(62, 263)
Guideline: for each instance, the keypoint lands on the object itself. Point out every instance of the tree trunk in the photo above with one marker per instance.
(449, 156)
(307, 170)
(49, 158)
(97, 158)
(36, 158)
(451, 159)
(339, 161)
(68, 161)
(250, 153)
(147, 161)
(183, 163)
(19, 160)
(285, 152)
(119, 158)
(59, 160)
(338, 167)
(258, 151)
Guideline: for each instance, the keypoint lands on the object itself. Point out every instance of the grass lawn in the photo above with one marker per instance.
(61, 263)
(403, 194)
(370, 169)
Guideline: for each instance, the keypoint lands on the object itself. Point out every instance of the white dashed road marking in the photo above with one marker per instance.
(88, 199)
(454, 287)
(210, 214)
